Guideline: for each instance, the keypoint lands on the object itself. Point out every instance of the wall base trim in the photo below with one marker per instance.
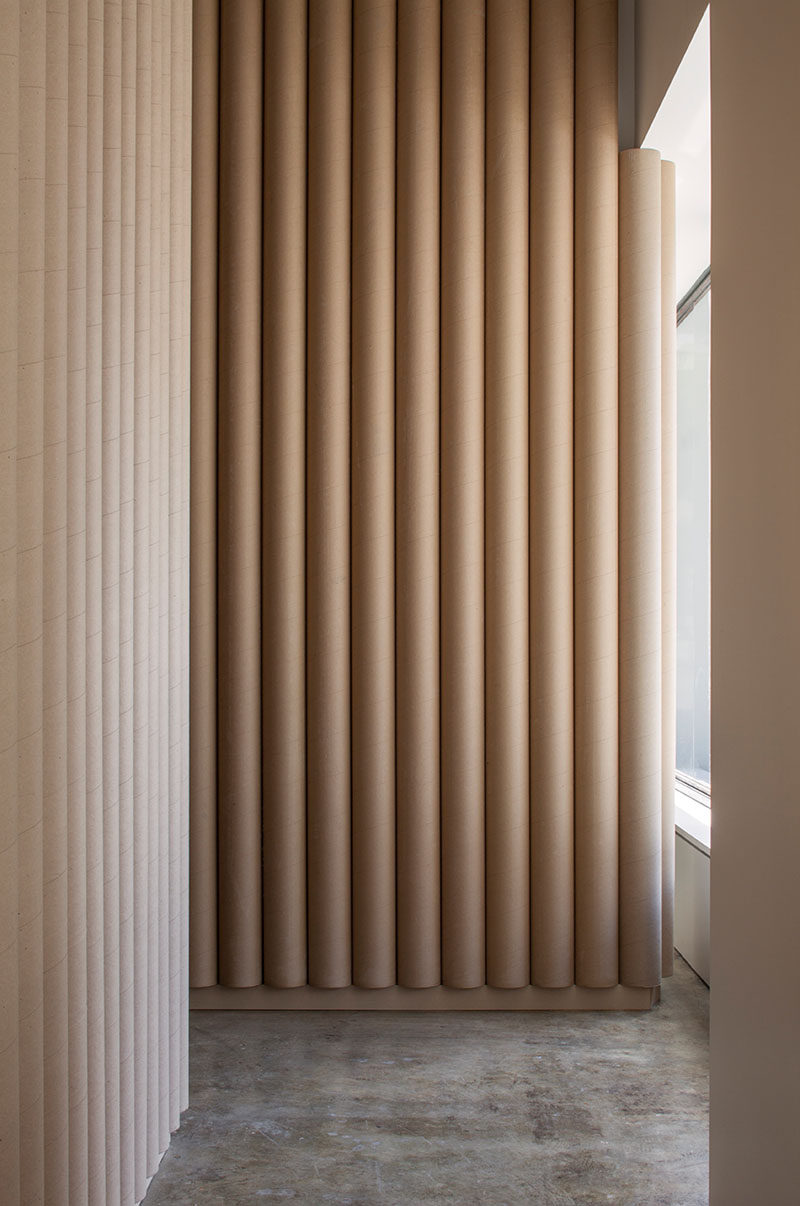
(439, 998)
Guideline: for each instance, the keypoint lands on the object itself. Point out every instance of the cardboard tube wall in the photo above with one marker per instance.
(94, 338)
(438, 501)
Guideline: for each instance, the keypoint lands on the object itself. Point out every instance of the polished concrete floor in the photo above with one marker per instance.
(409, 1108)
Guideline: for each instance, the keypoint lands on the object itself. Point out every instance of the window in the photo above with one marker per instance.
(693, 696)
(681, 130)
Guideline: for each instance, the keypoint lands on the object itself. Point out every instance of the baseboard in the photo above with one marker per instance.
(619, 997)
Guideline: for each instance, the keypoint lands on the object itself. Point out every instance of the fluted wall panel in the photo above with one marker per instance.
(428, 541)
(91, 312)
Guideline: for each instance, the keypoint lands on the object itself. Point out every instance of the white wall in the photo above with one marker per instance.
(663, 30)
(755, 612)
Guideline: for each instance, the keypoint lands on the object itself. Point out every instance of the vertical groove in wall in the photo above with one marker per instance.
(595, 495)
(508, 916)
(417, 493)
(551, 485)
(462, 514)
(328, 494)
(283, 623)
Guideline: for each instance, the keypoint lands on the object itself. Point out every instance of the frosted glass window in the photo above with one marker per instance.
(693, 632)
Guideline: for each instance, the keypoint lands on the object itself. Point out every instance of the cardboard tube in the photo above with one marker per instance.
(596, 569)
(77, 397)
(54, 625)
(372, 485)
(95, 961)
(669, 474)
(203, 528)
(141, 596)
(462, 516)
(178, 384)
(239, 502)
(110, 468)
(283, 495)
(9, 820)
(328, 494)
(164, 969)
(507, 699)
(30, 497)
(551, 483)
(127, 1121)
(640, 601)
(417, 494)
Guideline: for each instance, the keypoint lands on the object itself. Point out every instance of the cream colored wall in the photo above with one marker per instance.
(755, 611)
(663, 30)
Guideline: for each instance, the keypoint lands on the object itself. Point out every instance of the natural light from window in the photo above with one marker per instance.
(681, 131)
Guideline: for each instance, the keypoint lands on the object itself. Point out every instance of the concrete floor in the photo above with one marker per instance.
(489, 1108)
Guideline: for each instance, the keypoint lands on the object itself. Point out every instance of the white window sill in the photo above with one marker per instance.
(692, 820)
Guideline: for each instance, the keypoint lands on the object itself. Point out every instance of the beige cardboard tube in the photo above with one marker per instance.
(126, 601)
(94, 652)
(508, 914)
(595, 467)
(328, 494)
(417, 494)
(143, 1021)
(640, 618)
(462, 509)
(10, 226)
(54, 620)
(372, 486)
(239, 499)
(203, 528)
(551, 483)
(30, 499)
(110, 468)
(283, 495)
